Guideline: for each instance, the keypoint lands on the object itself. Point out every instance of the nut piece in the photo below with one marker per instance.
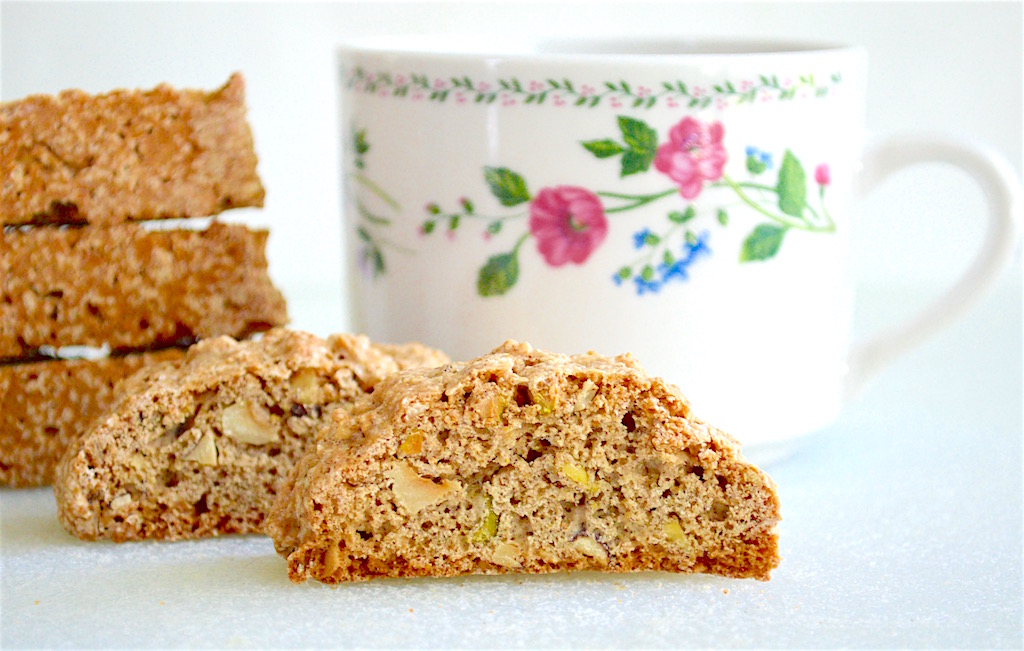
(413, 444)
(674, 532)
(590, 547)
(306, 387)
(576, 474)
(413, 492)
(332, 558)
(487, 402)
(585, 396)
(238, 422)
(540, 398)
(120, 502)
(204, 452)
(506, 554)
(138, 463)
(488, 525)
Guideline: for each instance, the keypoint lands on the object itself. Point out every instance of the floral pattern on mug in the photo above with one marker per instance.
(512, 91)
(570, 223)
(371, 224)
(693, 154)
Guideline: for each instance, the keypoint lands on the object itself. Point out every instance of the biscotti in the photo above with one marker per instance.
(126, 155)
(198, 448)
(46, 405)
(132, 288)
(524, 461)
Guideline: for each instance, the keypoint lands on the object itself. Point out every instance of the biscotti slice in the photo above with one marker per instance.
(130, 288)
(126, 155)
(198, 448)
(46, 405)
(524, 461)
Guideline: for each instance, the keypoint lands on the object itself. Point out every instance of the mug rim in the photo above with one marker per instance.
(586, 49)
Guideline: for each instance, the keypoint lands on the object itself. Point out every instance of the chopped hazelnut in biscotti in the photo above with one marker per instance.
(524, 461)
(201, 444)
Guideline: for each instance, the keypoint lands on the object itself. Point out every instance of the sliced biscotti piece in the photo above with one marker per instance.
(197, 448)
(126, 155)
(129, 288)
(524, 461)
(46, 405)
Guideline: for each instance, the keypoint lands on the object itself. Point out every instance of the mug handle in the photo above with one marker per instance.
(1002, 192)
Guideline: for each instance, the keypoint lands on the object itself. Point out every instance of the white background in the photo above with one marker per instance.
(949, 67)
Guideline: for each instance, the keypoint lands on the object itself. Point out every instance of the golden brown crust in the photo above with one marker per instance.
(524, 461)
(126, 155)
(196, 448)
(128, 287)
(46, 405)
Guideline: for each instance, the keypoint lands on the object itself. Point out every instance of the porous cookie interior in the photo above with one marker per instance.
(201, 450)
(525, 461)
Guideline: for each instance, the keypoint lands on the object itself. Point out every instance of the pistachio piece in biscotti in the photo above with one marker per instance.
(199, 445)
(524, 461)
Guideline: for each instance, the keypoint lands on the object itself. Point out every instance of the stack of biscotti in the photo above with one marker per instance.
(94, 283)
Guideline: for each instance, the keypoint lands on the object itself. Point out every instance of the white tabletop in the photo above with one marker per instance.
(902, 527)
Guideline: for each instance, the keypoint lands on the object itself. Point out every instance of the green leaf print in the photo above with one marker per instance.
(507, 186)
(642, 141)
(792, 186)
(603, 148)
(499, 274)
(762, 243)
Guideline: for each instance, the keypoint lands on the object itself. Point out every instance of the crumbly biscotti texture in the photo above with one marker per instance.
(126, 155)
(132, 288)
(198, 448)
(46, 405)
(524, 461)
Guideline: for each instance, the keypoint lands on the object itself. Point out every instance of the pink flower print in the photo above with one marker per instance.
(721, 103)
(746, 85)
(586, 90)
(693, 154)
(643, 91)
(417, 96)
(507, 100)
(483, 87)
(671, 102)
(460, 98)
(568, 222)
(439, 84)
(536, 86)
(615, 103)
(558, 101)
(699, 91)
(400, 80)
(822, 174)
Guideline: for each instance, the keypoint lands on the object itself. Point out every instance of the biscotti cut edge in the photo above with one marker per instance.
(198, 449)
(46, 405)
(524, 461)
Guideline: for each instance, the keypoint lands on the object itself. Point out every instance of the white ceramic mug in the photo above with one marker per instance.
(686, 202)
